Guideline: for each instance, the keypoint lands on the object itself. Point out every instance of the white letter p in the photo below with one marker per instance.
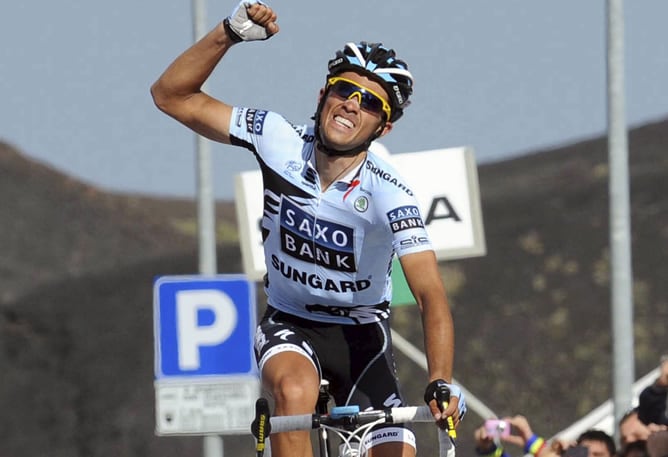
(190, 335)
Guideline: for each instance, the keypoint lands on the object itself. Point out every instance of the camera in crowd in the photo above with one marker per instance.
(497, 428)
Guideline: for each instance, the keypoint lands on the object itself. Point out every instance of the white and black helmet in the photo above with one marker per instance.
(380, 64)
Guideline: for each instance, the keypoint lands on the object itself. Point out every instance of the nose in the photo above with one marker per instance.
(357, 96)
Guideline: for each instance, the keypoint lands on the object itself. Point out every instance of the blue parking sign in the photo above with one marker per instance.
(204, 326)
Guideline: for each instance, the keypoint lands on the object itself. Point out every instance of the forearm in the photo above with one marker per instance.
(186, 75)
(423, 277)
(438, 338)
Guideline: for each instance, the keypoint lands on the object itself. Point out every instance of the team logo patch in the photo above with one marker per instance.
(320, 241)
(255, 120)
(361, 204)
(404, 218)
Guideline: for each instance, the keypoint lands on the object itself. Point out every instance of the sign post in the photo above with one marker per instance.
(206, 381)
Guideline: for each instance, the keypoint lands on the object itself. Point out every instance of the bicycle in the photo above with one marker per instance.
(350, 424)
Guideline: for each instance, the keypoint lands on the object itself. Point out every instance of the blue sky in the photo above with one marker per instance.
(504, 77)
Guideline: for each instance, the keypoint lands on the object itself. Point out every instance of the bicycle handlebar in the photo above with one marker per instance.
(404, 414)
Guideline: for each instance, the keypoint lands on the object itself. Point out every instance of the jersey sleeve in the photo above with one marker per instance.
(401, 213)
(409, 233)
(260, 131)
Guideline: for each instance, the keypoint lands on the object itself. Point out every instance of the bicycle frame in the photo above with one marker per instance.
(322, 407)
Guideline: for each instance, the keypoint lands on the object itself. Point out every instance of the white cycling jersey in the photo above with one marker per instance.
(328, 254)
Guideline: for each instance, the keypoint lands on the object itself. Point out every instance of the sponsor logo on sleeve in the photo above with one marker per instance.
(238, 118)
(320, 242)
(413, 241)
(405, 218)
(255, 121)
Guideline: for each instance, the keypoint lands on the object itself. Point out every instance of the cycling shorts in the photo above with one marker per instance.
(357, 360)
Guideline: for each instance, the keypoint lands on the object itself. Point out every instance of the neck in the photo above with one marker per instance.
(333, 168)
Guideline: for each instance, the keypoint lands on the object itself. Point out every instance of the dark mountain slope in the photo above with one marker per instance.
(53, 227)
(80, 365)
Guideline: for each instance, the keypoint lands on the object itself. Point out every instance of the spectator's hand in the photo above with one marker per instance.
(483, 442)
(663, 372)
(549, 451)
(520, 431)
(251, 21)
(560, 445)
(656, 427)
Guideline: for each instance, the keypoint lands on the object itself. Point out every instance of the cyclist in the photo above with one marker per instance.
(335, 214)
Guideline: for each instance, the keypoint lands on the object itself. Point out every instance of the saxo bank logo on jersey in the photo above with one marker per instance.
(255, 121)
(404, 218)
(319, 241)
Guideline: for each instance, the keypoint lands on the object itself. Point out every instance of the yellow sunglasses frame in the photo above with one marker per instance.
(386, 106)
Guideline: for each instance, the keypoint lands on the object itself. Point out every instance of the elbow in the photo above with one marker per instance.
(160, 97)
(169, 101)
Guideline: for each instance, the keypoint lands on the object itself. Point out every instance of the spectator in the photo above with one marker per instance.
(518, 432)
(599, 443)
(631, 429)
(653, 399)
(633, 434)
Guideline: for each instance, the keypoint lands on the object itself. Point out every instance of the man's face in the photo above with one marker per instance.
(344, 124)
(632, 429)
(596, 448)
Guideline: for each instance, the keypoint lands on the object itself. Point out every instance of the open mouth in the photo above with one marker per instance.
(344, 122)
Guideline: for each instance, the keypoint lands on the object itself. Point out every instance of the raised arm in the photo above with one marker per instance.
(178, 91)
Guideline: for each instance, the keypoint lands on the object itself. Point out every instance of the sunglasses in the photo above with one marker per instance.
(368, 100)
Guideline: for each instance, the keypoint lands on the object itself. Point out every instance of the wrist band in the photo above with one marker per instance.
(231, 33)
(534, 445)
(540, 448)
